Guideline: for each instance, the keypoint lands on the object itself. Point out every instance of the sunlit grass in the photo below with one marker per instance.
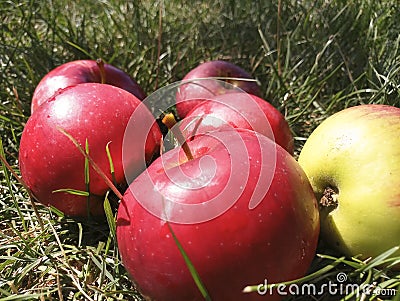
(312, 59)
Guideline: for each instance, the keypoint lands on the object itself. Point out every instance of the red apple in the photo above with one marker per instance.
(195, 91)
(50, 161)
(78, 72)
(242, 209)
(239, 110)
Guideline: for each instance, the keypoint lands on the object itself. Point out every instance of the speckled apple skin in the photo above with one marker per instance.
(49, 160)
(194, 92)
(357, 151)
(79, 72)
(239, 110)
(275, 241)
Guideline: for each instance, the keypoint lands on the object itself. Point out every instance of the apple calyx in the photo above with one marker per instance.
(100, 64)
(329, 199)
(170, 121)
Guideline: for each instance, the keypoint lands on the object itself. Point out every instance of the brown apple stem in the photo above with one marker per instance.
(170, 121)
(329, 198)
(100, 64)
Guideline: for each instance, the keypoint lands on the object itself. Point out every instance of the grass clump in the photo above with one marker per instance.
(312, 58)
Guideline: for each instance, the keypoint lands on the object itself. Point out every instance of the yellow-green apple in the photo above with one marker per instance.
(352, 160)
(241, 207)
(83, 71)
(92, 112)
(195, 87)
(239, 110)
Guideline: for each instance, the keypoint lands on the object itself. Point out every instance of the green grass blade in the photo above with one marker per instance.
(322, 271)
(110, 217)
(112, 170)
(72, 191)
(9, 185)
(195, 275)
(380, 259)
(76, 46)
(26, 296)
(87, 177)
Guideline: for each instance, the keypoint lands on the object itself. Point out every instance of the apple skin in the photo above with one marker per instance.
(357, 152)
(239, 110)
(78, 72)
(240, 246)
(50, 161)
(191, 94)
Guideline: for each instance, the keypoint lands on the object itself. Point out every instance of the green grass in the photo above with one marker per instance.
(312, 58)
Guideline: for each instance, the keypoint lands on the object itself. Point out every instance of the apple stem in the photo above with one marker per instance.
(100, 64)
(170, 121)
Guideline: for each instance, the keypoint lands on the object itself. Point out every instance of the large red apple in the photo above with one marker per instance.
(242, 209)
(196, 87)
(239, 110)
(98, 113)
(82, 71)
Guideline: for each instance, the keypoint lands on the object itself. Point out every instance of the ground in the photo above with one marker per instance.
(311, 59)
